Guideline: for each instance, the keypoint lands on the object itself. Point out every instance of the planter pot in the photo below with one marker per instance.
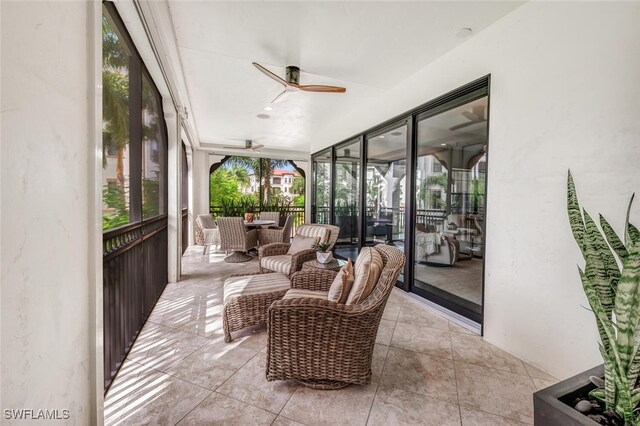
(550, 405)
(248, 217)
(323, 257)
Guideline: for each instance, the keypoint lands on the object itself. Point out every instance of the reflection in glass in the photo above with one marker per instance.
(153, 154)
(450, 205)
(115, 126)
(385, 187)
(346, 195)
(322, 187)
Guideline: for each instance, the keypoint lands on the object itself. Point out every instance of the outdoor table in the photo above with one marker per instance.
(259, 222)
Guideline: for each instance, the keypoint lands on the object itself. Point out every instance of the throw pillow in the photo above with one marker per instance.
(342, 283)
(300, 243)
(368, 268)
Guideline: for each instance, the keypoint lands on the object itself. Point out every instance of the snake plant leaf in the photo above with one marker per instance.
(626, 306)
(612, 238)
(601, 267)
(634, 234)
(598, 394)
(575, 213)
(592, 297)
(634, 368)
(628, 227)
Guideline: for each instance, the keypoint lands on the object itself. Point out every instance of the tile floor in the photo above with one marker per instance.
(426, 369)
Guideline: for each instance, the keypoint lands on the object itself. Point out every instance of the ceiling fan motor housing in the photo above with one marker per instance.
(293, 74)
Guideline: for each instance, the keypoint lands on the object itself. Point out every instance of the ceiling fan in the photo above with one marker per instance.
(248, 144)
(291, 82)
(476, 115)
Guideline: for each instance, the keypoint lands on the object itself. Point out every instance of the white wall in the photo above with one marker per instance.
(565, 93)
(48, 328)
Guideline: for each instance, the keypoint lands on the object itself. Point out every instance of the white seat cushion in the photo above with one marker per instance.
(367, 270)
(255, 284)
(297, 293)
(280, 263)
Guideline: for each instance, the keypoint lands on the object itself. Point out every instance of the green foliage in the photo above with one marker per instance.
(297, 187)
(298, 201)
(427, 197)
(151, 197)
(225, 184)
(236, 208)
(614, 297)
(323, 247)
(114, 196)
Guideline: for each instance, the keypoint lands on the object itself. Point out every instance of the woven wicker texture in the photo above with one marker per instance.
(234, 236)
(275, 216)
(244, 309)
(206, 232)
(276, 235)
(275, 249)
(326, 345)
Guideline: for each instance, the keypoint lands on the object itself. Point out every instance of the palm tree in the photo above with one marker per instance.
(264, 165)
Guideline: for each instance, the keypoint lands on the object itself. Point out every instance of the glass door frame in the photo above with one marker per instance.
(477, 89)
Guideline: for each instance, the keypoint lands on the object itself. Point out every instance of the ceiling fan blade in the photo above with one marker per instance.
(463, 125)
(256, 147)
(320, 88)
(471, 116)
(284, 92)
(270, 74)
(234, 147)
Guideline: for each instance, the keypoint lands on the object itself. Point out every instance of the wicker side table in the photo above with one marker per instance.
(334, 265)
(247, 299)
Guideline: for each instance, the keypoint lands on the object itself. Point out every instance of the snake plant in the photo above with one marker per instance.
(611, 281)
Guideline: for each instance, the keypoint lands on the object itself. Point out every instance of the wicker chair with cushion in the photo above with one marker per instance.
(278, 257)
(275, 216)
(324, 344)
(234, 236)
(275, 234)
(207, 233)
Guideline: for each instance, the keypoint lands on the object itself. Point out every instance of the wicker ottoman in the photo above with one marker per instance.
(247, 299)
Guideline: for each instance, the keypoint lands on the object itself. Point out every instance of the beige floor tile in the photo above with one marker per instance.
(218, 409)
(385, 332)
(349, 406)
(480, 418)
(397, 296)
(254, 337)
(398, 407)
(475, 350)
(419, 373)
(210, 327)
(250, 385)
(283, 421)
(425, 340)
(213, 364)
(127, 382)
(391, 311)
(166, 349)
(412, 312)
(377, 363)
(161, 400)
(541, 383)
(538, 373)
(172, 313)
(455, 328)
(497, 392)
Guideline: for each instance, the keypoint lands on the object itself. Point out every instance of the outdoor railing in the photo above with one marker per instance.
(134, 276)
(296, 211)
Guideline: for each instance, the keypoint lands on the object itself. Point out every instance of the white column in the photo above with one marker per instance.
(174, 207)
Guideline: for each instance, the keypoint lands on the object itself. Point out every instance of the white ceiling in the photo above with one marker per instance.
(367, 47)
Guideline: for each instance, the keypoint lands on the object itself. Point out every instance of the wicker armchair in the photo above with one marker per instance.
(207, 234)
(323, 344)
(234, 236)
(276, 235)
(274, 258)
(275, 216)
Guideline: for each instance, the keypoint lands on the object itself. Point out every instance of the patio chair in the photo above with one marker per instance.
(323, 344)
(276, 234)
(234, 236)
(207, 233)
(275, 257)
(275, 216)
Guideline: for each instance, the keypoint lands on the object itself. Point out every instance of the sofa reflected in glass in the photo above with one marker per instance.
(467, 229)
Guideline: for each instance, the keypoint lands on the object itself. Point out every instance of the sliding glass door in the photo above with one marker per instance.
(321, 203)
(346, 206)
(386, 170)
(451, 164)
